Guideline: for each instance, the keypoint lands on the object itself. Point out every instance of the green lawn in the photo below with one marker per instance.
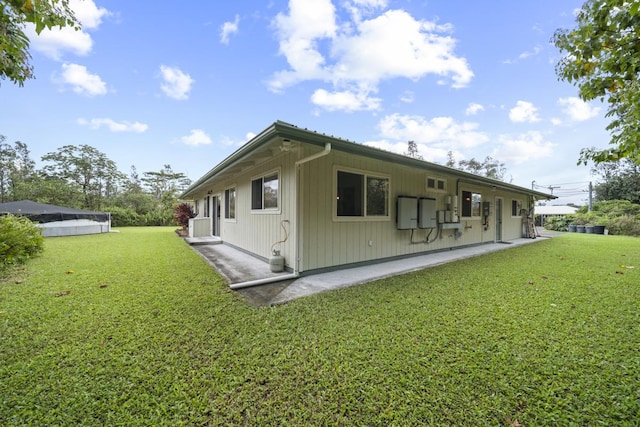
(545, 334)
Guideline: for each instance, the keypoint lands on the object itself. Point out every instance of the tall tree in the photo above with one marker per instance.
(602, 58)
(412, 150)
(16, 169)
(451, 160)
(166, 184)
(489, 167)
(88, 169)
(618, 181)
(14, 44)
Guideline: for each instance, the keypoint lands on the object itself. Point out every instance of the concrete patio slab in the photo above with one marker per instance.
(239, 267)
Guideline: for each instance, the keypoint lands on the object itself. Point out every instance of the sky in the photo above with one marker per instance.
(187, 84)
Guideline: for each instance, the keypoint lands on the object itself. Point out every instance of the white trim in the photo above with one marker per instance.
(436, 180)
(520, 205)
(266, 211)
(364, 217)
(472, 217)
(235, 211)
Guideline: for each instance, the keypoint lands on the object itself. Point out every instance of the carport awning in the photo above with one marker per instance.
(42, 213)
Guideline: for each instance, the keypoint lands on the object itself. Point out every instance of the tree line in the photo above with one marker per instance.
(83, 177)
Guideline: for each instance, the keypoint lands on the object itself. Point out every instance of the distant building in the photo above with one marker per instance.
(544, 212)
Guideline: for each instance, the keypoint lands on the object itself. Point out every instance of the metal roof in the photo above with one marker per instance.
(279, 130)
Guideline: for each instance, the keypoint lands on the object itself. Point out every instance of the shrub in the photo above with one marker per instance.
(160, 217)
(558, 223)
(183, 213)
(123, 217)
(625, 225)
(20, 239)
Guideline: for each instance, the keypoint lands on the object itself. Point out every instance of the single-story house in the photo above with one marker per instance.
(544, 212)
(324, 203)
(55, 221)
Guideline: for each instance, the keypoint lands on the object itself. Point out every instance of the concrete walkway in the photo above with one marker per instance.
(238, 267)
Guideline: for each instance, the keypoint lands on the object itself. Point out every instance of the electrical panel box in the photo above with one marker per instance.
(406, 213)
(427, 213)
(486, 208)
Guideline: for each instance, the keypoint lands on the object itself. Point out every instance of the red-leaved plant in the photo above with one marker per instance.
(182, 214)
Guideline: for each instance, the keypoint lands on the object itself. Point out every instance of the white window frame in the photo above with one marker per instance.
(364, 217)
(263, 210)
(226, 202)
(519, 203)
(479, 202)
(436, 181)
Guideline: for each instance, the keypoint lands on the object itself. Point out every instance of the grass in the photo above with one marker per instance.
(148, 334)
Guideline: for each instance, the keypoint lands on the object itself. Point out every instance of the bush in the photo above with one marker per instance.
(160, 217)
(558, 223)
(123, 217)
(20, 239)
(183, 213)
(625, 225)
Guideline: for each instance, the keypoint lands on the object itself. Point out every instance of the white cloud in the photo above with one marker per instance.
(81, 81)
(345, 100)
(434, 137)
(442, 132)
(227, 29)
(177, 84)
(195, 138)
(474, 109)
(362, 52)
(578, 110)
(54, 42)
(536, 50)
(524, 112)
(114, 126)
(518, 149)
(407, 97)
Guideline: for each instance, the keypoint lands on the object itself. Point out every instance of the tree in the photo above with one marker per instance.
(16, 169)
(451, 161)
(620, 181)
(14, 44)
(489, 167)
(602, 58)
(166, 184)
(88, 169)
(412, 150)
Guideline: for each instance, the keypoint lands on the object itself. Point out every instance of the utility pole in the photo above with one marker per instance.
(551, 188)
(533, 185)
(590, 196)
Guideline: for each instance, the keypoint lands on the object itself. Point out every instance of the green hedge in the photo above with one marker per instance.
(20, 239)
(620, 217)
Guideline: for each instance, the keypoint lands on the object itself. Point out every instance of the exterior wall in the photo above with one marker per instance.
(255, 231)
(329, 241)
(324, 240)
(199, 227)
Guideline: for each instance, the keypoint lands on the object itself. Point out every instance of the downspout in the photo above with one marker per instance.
(295, 274)
(264, 281)
(327, 150)
(296, 241)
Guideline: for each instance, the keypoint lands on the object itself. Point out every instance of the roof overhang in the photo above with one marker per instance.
(269, 141)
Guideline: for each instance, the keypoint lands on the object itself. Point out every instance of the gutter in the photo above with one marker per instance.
(327, 150)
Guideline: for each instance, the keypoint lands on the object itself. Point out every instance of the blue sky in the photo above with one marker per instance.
(186, 84)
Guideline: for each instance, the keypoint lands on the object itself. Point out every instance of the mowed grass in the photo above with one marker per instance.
(144, 332)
